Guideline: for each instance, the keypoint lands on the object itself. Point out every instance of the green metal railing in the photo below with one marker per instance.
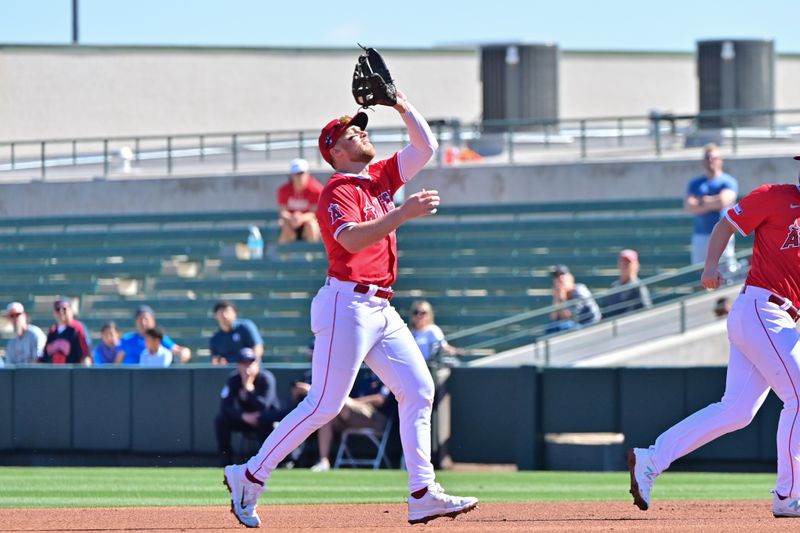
(677, 287)
(581, 137)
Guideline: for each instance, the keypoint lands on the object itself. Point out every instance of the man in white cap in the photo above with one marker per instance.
(27, 344)
(297, 201)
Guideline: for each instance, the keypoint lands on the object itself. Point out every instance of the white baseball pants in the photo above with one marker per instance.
(764, 354)
(351, 328)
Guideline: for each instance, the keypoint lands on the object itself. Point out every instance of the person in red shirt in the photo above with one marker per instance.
(297, 201)
(764, 346)
(352, 318)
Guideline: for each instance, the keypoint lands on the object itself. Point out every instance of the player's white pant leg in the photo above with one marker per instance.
(745, 392)
(396, 359)
(769, 339)
(344, 328)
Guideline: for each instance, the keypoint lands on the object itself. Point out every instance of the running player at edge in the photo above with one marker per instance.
(352, 318)
(764, 347)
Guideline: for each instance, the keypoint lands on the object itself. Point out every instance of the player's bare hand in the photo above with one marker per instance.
(421, 204)
(711, 278)
(402, 101)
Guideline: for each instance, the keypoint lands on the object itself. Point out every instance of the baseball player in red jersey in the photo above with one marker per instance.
(764, 347)
(351, 315)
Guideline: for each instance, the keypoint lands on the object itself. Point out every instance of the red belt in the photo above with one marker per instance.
(781, 302)
(380, 293)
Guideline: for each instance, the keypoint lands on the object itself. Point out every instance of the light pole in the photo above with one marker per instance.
(74, 21)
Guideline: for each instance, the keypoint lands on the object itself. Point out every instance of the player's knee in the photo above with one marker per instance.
(791, 404)
(326, 412)
(420, 396)
(738, 419)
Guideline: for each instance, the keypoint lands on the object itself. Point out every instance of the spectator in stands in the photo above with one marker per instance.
(722, 307)
(27, 344)
(708, 196)
(636, 296)
(105, 353)
(234, 334)
(369, 405)
(297, 201)
(428, 335)
(67, 340)
(249, 403)
(132, 344)
(155, 355)
(583, 309)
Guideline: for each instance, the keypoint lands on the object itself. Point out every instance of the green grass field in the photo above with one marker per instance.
(113, 487)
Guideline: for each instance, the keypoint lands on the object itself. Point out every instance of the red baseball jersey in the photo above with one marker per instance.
(348, 199)
(302, 201)
(773, 213)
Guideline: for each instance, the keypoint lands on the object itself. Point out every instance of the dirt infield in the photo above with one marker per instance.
(708, 517)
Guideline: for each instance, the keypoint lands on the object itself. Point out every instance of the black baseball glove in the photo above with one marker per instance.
(372, 82)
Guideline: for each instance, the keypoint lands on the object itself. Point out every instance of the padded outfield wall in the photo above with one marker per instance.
(56, 415)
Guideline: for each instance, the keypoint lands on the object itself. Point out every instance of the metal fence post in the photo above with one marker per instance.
(137, 148)
(74, 152)
(583, 139)
(620, 132)
(202, 148)
(735, 135)
(300, 140)
(772, 124)
(682, 311)
(657, 133)
(235, 151)
(547, 352)
(44, 172)
(510, 135)
(13, 157)
(169, 155)
(105, 157)
(266, 146)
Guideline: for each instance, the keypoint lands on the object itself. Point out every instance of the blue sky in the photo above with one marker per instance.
(675, 25)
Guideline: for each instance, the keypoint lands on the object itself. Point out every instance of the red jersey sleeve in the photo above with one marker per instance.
(339, 207)
(283, 195)
(751, 210)
(387, 172)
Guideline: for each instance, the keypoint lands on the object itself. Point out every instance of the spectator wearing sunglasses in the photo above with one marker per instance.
(428, 335)
(67, 339)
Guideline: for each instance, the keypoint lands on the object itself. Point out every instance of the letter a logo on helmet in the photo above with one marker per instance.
(336, 213)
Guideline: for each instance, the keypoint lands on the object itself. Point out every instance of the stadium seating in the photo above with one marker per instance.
(474, 263)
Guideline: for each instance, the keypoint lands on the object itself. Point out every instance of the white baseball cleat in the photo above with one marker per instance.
(643, 474)
(435, 503)
(785, 508)
(244, 495)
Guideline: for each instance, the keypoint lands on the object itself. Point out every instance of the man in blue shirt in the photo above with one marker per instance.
(234, 334)
(132, 344)
(707, 198)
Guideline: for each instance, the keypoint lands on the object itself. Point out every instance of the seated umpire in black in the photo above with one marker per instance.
(234, 334)
(249, 403)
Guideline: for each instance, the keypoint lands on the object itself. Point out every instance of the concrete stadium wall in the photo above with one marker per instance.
(84, 91)
(457, 185)
(496, 415)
